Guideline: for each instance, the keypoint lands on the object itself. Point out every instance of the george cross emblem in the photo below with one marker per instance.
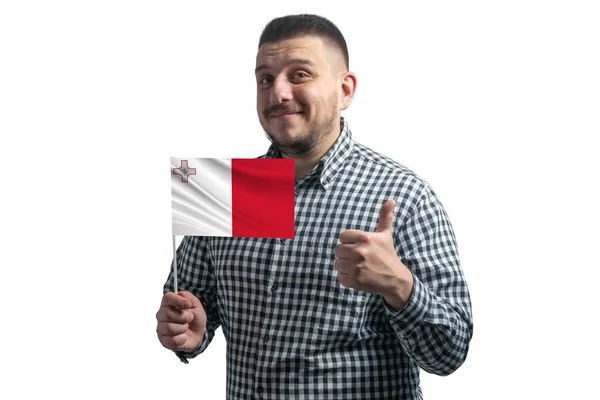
(184, 171)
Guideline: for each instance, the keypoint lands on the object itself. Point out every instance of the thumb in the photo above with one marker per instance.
(386, 216)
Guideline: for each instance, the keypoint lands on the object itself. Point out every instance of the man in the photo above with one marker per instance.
(362, 297)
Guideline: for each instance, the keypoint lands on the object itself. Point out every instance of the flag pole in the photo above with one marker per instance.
(174, 264)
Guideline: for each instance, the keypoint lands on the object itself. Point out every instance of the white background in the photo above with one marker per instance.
(495, 104)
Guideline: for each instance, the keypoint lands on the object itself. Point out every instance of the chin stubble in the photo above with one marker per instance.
(306, 143)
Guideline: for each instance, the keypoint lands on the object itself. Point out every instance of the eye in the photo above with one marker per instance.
(265, 80)
(300, 77)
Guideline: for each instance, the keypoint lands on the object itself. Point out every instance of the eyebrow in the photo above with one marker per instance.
(301, 61)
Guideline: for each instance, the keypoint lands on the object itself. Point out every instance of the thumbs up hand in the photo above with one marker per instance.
(368, 261)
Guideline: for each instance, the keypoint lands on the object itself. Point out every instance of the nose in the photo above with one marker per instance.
(280, 91)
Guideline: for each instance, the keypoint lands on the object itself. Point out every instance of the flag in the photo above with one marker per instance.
(233, 197)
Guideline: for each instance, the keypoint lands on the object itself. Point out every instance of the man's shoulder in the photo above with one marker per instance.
(396, 180)
(388, 167)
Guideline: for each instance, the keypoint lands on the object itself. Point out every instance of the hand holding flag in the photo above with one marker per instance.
(221, 197)
(181, 321)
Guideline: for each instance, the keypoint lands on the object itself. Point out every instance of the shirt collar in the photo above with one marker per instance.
(332, 162)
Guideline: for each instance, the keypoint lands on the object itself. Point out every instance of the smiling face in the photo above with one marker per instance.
(300, 92)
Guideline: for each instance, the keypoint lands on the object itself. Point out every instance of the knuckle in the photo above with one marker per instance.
(166, 315)
(166, 298)
(170, 328)
(361, 254)
(162, 328)
(176, 329)
(171, 315)
(182, 317)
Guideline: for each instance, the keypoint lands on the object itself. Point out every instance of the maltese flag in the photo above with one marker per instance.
(233, 197)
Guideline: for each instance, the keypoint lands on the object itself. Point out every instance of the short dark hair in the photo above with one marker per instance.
(293, 26)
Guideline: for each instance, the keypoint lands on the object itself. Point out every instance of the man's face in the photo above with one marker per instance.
(298, 92)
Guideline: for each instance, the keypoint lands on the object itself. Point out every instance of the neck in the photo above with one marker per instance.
(305, 164)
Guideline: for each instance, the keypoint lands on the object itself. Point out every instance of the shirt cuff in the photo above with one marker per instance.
(184, 355)
(413, 313)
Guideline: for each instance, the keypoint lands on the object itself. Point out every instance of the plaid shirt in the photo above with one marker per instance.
(293, 331)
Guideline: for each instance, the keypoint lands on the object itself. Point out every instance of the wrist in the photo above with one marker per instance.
(398, 295)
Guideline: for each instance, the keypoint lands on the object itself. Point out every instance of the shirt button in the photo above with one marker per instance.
(260, 390)
(265, 339)
(281, 240)
(274, 288)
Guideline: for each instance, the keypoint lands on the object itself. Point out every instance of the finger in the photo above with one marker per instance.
(174, 300)
(194, 301)
(173, 342)
(345, 251)
(171, 328)
(353, 252)
(352, 236)
(386, 216)
(343, 266)
(341, 251)
(346, 280)
(172, 314)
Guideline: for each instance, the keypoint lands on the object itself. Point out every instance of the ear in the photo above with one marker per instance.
(348, 82)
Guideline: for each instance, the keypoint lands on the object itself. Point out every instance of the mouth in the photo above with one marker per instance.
(286, 115)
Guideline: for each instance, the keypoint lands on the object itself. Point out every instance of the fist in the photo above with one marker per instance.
(368, 261)
(181, 321)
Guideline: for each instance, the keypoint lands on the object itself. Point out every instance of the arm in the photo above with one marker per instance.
(196, 275)
(435, 326)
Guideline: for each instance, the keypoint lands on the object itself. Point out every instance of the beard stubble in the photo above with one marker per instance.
(306, 143)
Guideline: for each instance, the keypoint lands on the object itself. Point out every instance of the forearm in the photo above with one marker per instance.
(433, 331)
